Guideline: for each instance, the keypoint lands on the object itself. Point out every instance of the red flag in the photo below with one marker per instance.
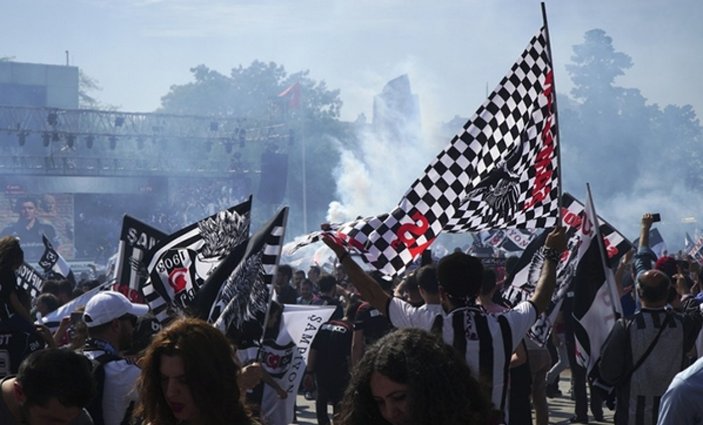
(292, 93)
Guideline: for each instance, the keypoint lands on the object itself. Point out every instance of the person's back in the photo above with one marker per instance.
(485, 341)
(655, 341)
(329, 361)
(680, 405)
(111, 319)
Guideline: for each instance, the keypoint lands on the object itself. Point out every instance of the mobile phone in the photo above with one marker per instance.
(656, 217)
(76, 318)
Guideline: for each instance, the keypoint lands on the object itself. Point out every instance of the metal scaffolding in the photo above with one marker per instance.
(95, 142)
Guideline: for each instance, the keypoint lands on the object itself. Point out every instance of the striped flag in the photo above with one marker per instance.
(137, 241)
(240, 289)
(53, 263)
(181, 263)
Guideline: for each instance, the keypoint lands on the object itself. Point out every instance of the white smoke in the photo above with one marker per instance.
(392, 153)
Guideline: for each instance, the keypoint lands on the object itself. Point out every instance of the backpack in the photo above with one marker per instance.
(95, 407)
(606, 390)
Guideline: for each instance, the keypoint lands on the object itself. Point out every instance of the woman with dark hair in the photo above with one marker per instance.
(189, 376)
(412, 377)
(11, 258)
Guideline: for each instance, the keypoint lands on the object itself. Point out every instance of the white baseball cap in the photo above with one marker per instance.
(107, 306)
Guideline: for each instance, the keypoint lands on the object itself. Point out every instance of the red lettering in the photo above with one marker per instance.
(543, 161)
(342, 237)
(573, 220)
(408, 233)
(610, 249)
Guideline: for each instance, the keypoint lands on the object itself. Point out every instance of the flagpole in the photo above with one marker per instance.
(305, 177)
(556, 110)
(617, 307)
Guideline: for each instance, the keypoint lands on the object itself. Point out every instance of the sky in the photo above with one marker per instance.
(454, 51)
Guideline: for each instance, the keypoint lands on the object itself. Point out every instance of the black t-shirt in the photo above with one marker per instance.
(327, 300)
(372, 323)
(333, 346)
(287, 295)
(8, 285)
(15, 345)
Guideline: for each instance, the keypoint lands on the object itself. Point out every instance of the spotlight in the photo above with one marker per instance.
(89, 142)
(119, 121)
(242, 137)
(46, 139)
(52, 119)
(113, 142)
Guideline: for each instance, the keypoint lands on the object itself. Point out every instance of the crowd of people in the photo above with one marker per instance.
(438, 345)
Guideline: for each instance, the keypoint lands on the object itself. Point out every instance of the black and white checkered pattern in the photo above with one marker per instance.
(487, 177)
(494, 154)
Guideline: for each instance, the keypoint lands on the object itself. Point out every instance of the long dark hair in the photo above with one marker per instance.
(441, 389)
(11, 254)
(210, 371)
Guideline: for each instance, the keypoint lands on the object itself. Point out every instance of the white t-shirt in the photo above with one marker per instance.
(120, 387)
(488, 340)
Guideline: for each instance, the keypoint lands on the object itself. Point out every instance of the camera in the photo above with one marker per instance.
(656, 217)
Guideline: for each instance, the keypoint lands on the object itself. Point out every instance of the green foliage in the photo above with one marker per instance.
(613, 138)
(87, 85)
(252, 93)
(596, 65)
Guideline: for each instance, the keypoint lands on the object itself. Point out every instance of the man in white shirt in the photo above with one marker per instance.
(111, 319)
(486, 341)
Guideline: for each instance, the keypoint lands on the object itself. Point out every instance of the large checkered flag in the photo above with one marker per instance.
(500, 171)
(243, 280)
(181, 263)
(137, 241)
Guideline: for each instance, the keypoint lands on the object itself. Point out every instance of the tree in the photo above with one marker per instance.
(606, 123)
(252, 93)
(631, 152)
(87, 84)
